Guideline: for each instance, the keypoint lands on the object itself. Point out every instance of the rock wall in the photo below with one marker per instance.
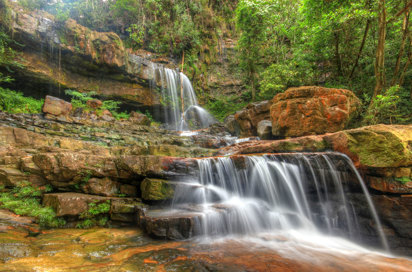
(65, 55)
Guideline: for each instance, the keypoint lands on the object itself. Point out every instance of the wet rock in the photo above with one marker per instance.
(396, 215)
(392, 185)
(70, 203)
(312, 110)
(139, 119)
(174, 227)
(139, 165)
(68, 168)
(103, 187)
(128, 190)
(156, 189)
(249, 117)
(264, 129)
(124, 210)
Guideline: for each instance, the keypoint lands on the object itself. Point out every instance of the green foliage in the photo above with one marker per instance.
(15, 102)
(25, 200)
(276, 78)
(389, 108)
(226, 105)
(8, 56)
(79, 100)
(136, 34)
(404, 180)
(33, 4)
(95, 215)
(62, 15)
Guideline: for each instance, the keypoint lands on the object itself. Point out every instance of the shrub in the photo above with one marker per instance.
(79, 100)
(389, 108)
(15, 102)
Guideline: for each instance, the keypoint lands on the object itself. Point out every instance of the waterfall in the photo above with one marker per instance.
(181, 109)
(318, 193)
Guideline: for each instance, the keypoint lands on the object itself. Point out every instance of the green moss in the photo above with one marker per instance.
(379, 148)
(156, 189)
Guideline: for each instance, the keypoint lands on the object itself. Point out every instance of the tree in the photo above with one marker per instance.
(252, 19)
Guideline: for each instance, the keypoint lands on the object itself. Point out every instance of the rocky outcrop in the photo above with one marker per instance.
(246, 121)
(311, 111)
(65, 55)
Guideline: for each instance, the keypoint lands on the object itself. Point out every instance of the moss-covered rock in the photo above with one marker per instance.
(156, 189)
(375, 146)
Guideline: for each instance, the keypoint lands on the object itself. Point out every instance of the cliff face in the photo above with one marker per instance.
(65, 55)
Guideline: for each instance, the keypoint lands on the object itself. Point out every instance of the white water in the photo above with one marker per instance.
(176, 89)
(295, 194)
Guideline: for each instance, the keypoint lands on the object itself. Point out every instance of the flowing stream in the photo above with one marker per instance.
(303, 195)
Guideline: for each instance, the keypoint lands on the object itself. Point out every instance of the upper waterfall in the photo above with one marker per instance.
(181, 109)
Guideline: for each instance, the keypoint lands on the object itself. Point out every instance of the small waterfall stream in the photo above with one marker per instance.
(251, 195)
(182, 111)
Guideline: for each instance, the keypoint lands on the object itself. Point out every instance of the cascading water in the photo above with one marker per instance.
(251, 195)
(182, 111)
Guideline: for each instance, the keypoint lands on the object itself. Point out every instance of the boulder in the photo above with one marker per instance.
(312, 110)
(156, 189)
(249, 117)
(231, 125)
(139, 119)
(57, 107)
(264, 129)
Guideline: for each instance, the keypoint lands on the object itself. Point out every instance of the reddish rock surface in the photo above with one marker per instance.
(311, 110)
(94, 103)
(57, 107)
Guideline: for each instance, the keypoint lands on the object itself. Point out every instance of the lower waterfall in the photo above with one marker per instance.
(315, 193)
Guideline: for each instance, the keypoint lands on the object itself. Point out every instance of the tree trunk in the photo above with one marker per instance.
(405, 30)
(337, 55)
(380, 50)
(365, 34)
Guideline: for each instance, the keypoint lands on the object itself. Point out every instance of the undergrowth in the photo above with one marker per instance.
(25, 200)
(15, 102)
(79, 100)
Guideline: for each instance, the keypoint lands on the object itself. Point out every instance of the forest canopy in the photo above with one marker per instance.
(361, 45)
